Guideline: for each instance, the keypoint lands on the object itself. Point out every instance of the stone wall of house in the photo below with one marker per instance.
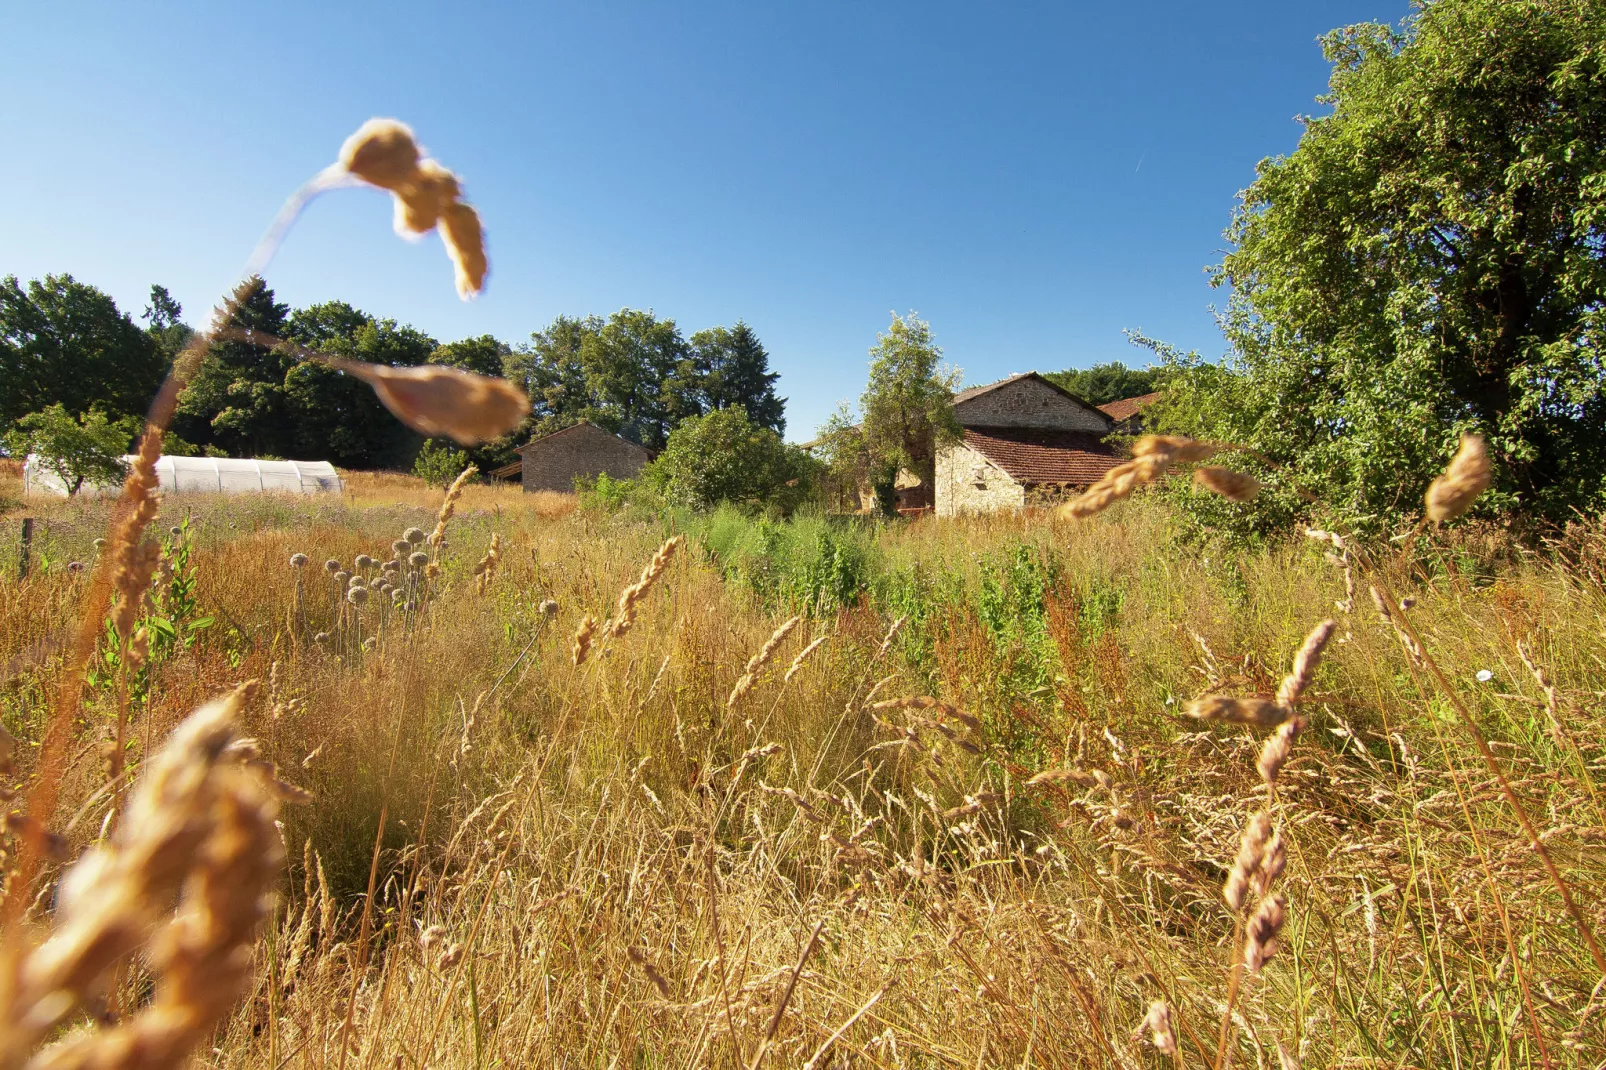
(554, 463)
(1029, 403)
(968, 482)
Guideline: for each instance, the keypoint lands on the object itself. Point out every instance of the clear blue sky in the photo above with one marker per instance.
(1032, 178)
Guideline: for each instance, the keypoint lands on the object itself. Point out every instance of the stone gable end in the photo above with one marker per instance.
(582, 452)
(1029, 403)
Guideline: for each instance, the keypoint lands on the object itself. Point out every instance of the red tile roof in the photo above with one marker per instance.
(1120, 410)
(1039, 455)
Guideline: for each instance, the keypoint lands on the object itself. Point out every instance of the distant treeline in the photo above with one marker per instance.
(64, 342)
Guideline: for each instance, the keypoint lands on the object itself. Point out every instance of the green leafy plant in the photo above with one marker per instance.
(438, 464)
(78, 450)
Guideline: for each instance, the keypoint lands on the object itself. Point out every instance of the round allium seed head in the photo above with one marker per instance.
(342, 578)
(414, 536)
(369, 643)
(298, 560)
(75, 566)
(548, 608)
(391, 566)
(175, 530)
(321, 637)
(331, 566)
(100, 544)
(364, 561)
(397, 594)
(418, 559)
(401, 546)
(357, 595)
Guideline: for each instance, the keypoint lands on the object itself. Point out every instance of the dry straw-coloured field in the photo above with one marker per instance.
(625, 861)
(402, 779)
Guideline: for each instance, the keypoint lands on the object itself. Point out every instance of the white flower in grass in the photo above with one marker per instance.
(1484, 676)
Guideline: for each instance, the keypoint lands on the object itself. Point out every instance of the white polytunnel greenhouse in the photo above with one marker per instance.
(204, 475)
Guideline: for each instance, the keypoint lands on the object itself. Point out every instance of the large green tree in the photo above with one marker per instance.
(236, 400)
(1431, 259)
(64, 342)
(333, 416)
(164, 317)
(735, 370)
(78, 450)
(485, 355)
(1111, 381)
(908, 403)
(723, 456)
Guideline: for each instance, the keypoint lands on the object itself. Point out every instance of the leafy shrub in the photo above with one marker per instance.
(724, 457)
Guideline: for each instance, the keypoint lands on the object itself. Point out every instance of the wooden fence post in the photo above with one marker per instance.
(22, 549)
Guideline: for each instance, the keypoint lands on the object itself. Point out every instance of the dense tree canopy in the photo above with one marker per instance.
(1431, 259)
(1104, 383)
(63, 342)
(905, 416)
(724, 456)
(633, 373)
(735, 370)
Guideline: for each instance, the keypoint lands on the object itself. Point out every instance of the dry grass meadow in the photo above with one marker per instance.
(510, 859)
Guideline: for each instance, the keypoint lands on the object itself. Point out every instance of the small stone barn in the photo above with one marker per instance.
(584, 451)
(1026, 440)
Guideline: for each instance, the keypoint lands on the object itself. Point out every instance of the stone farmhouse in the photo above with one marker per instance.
(1026, 441)
(584, 451)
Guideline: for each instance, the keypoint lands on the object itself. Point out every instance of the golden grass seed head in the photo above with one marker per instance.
(1264, 927)
(1256, 712)
(465, 245)
(422, 198)
(1175, 448)
(583, 636)
(1467, 476)
(443, 402)
(1251, 846)
(382, 153)
(298, 560)
(1273, 860)
(1306, 659)
(1231, 485)
(1157, 1023)
(1274, 754)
